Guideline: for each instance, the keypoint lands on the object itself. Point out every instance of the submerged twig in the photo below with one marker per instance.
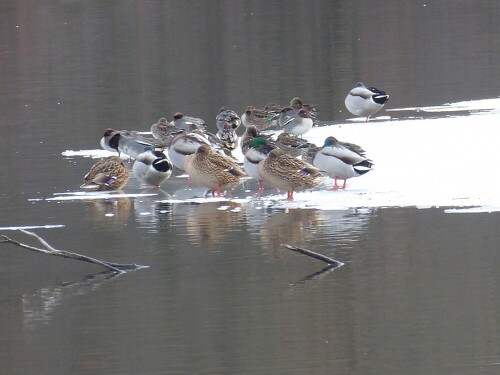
(332, 262)
(49, 250)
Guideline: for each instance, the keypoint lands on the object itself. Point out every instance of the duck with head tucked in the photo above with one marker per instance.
(128, 142)
(209, 168)
(187, 123)
(339, 160)
(291, 144)
(107, 174)
(183, 145)
(287, 173)
(152, 167)
(365, 101)
(260, 118)
(164, 131)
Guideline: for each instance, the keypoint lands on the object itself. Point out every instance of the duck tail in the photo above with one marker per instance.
(363, 167)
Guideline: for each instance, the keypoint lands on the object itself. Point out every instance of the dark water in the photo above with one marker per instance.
(419, 290)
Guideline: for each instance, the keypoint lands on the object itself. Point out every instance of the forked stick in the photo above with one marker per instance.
(49, 250)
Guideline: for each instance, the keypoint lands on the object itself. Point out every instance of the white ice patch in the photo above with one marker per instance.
(94, 154)
(445, 162)
(472, 105)
(81, 195)
(208, 199)
(27, 227)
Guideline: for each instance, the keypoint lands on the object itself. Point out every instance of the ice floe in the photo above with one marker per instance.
(447, 162)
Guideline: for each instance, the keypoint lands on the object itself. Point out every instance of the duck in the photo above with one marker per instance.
(183, 145)
(128, 142)
(228, 136)
(291, 144)
(297, 104)
(152, 167)
(257, 150)
(208, 168)
(273, 108)
(340, 160)
(260, 118)
(285, 172)
(365, 101)
(296, 122)
(251, 132)
(227, 115)
(109, 140)
(164, 131)
(187, 123)
(133, 144)
(223, 147)
(109, 173)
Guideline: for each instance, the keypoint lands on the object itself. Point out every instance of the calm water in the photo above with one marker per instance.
(419, 290)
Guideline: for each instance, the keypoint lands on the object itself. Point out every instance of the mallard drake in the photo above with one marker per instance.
(152, 167)
(164, 131)
(287, 173)
(107, 174)
(365, 101)
(128, 142)
(187, 123)
(207, 167)
(295, 122)
(251, 133)
(260, 118)
(297, 104)
(185, 144)
(340, 160)
(257, 150)
(227, 115)
(109, 140)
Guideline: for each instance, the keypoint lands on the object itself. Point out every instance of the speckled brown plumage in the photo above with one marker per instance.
(287, 173)
(207, 167)
(107, 174)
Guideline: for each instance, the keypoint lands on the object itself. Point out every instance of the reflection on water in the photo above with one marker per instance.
(148, 211)
(292, 226)
(113, 210)
(210, 223)
(39, 306)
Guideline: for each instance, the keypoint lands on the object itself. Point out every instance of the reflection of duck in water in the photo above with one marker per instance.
(113, 210)
(212, 222)
(149, 210)
(39, 307)
(292, 227)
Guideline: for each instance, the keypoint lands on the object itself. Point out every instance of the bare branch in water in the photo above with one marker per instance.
(332, 262)
(49, 250)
